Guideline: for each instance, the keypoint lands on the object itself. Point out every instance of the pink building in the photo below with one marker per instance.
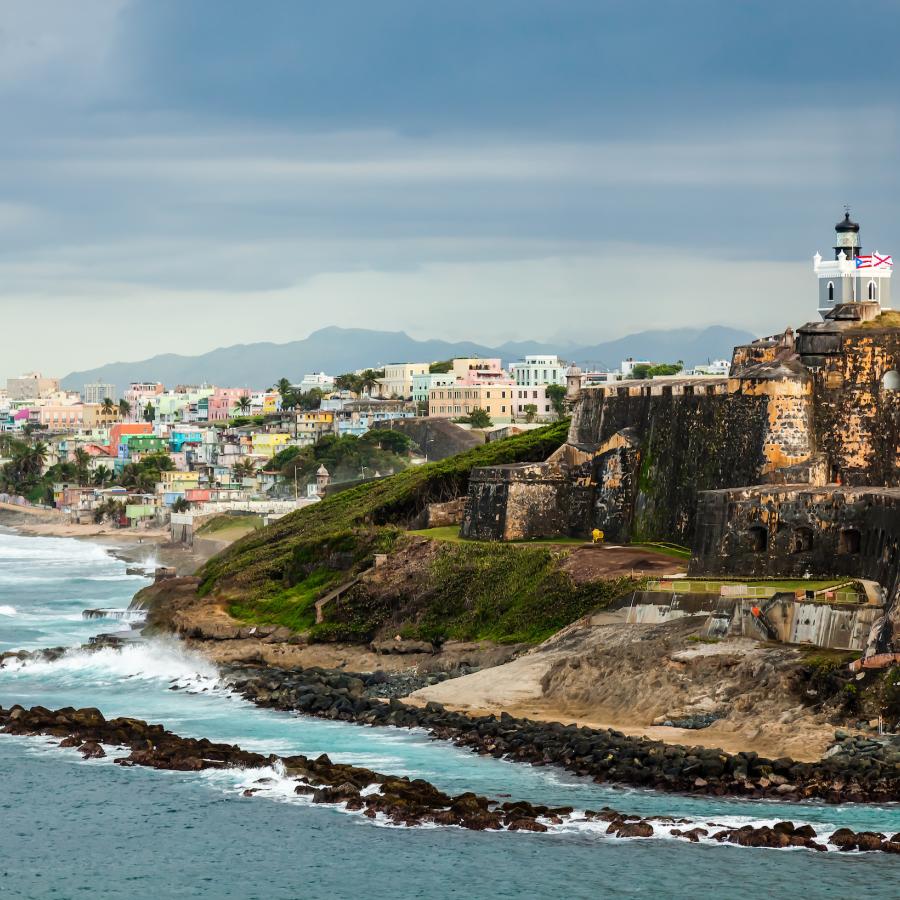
(533, 396)
(58, 416)
(224, 401)
(139, 394)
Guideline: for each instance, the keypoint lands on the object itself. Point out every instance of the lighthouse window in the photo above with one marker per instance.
(871, 290)
(831, 292)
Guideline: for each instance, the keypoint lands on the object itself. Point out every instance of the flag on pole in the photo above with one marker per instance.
(874, 261)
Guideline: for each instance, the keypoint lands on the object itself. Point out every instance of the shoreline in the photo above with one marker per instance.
(399, 800)
(807, 777)
(144, 547)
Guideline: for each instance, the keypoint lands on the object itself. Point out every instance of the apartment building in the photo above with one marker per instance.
(537, 369)
(398, 379)
(461, 399)
(31, 386)
(98, 391)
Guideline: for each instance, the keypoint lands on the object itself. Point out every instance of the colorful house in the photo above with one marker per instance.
(268, 443)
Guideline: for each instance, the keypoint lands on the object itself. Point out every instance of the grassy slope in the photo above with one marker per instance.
(265, 563)
(476, 591)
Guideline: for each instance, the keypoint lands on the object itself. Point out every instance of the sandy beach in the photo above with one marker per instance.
(146, 547)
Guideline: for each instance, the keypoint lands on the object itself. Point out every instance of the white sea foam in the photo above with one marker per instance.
(157, 660)
(7, 611)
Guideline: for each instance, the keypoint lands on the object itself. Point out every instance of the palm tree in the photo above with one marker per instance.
(81, 464)
(102, 476)
(124, 408)
(368, 380)
(36, 456)
(244, 468)
(243, 403)
(107, 407)
(149, 412)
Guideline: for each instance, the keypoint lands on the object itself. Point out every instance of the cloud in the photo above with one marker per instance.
(57, 48)
(597, 296)
(218, 173)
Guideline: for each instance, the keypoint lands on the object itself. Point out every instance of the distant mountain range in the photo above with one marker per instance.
(336, 350)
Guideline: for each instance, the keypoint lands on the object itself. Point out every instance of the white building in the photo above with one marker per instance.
(627, 366)
(852, 277)
(537, 370)
(716, 367)
(319, 380)
(98, 391)
(422, 384)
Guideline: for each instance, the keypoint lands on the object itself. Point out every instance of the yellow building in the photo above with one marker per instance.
(179, 481)
(265, 443)
(461, 400)
(398, 380)
(95, 417)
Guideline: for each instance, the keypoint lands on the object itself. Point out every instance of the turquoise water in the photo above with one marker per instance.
(70, 827)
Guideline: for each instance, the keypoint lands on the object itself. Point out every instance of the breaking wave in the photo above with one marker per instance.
(156, 660)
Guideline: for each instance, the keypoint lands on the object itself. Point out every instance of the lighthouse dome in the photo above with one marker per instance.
(846, 225)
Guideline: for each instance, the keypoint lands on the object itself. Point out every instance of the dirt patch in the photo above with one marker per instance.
(627, 676)
(591, 562)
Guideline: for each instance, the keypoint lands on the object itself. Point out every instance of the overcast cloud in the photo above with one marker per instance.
(176, 176)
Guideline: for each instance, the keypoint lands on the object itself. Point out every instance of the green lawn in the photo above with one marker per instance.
(713, 585)
(226, 522)
(451, 533)
(666, 549)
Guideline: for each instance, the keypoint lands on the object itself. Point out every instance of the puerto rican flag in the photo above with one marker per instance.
(874, 261)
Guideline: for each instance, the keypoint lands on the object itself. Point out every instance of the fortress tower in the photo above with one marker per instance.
(852, 277)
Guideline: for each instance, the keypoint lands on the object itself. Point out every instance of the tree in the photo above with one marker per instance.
(480, 418)
(311, 399)
(645, 370)
(82, 459)
(556, 394)
(243, 403)
(387, 439)
(441, 368)
(109, 509)
(124, 409)
(102, 476)
(180, 505)
(108, 406)
(244, 468)
(149, 412)
(346, 382)
(530, 412)
(369, 379)
(37, 456)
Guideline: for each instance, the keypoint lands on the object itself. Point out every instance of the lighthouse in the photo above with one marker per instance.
(852, 276)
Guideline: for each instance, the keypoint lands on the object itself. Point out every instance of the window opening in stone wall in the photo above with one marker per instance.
(801, 540)
(849, 541)
(872, 291)
(759, 538)
(831, 292)
(890, 381)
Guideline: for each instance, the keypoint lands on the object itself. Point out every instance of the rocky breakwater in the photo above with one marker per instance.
(602, 754)
(389, 798)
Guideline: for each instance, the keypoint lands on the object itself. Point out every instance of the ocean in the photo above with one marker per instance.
(72, 828)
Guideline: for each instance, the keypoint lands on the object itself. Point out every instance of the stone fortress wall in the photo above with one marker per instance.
(789, 466)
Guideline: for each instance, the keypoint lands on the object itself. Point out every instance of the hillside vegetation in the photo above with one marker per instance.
(468, 591)
(342, 531)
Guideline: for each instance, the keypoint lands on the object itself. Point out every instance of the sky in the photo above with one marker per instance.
(178, 175)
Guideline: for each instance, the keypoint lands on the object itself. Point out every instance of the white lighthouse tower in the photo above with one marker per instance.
(852, 277)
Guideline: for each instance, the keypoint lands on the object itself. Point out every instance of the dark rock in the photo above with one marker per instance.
(91, 750)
